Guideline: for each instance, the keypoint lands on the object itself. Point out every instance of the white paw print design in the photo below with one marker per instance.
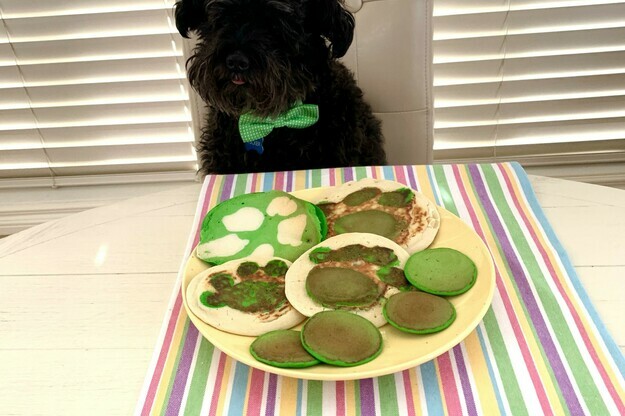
(260, 224)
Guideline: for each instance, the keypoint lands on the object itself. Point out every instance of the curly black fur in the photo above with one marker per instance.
(261, 56)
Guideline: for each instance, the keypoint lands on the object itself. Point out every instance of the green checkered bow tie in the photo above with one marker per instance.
(298, 117)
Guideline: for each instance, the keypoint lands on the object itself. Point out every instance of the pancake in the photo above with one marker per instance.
(441, 271)
(419, 312)
(266, 224)
(341, 338)
(244, 297)
(353, 272)
(382, 207)
(282, 348)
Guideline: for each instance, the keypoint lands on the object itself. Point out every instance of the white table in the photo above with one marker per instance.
(82, 298)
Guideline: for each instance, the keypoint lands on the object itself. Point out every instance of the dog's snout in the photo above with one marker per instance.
(237, 61)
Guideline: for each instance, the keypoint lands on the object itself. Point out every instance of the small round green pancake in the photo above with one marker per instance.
(282, 348)
(419, 312)
(341, 338)
(441, 271)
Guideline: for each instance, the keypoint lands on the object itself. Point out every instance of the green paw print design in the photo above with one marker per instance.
(266, 224)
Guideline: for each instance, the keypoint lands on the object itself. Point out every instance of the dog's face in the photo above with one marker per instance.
(261, 56)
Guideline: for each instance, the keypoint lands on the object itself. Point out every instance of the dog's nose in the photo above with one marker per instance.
(237, 61)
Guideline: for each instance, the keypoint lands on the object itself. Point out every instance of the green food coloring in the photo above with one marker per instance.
(221, 281)
(334, 287)
(247, 268)
(380, 256)
(275, 268)
(370, 221)
(246, 296)
(320, 255)
(393, 276)
(399, 198)
(361, 196)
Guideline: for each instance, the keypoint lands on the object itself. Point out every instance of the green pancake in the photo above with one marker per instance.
(268, 224)
(282, 348)
(419, 312)
(341, 338)
(441, 271)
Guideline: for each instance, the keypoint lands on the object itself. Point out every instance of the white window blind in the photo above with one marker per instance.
(542, 82)
(92, 88)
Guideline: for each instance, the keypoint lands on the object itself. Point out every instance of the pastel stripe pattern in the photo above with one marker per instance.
(541, 348)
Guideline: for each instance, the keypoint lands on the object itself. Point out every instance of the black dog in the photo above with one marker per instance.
(264, 58)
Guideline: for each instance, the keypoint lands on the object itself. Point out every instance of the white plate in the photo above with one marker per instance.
(401, 350)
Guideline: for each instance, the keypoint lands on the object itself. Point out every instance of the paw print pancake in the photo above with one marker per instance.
(264, 224)
(244, 297)
(353, 272)
(381, 207)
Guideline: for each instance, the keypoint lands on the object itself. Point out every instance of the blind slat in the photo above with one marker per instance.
(101, 155)
(168, 164)
(10, 77)
(529, 21)
(112, 114)
(548, 155)
(14, 9)
(93, 72)
(130, 166)
(17, 119)
(528, 46)
(98, 49)
(161, 153)
(93, 115)
(24, 171)
(18, 139)
(527, 133)
(6, 55)
(528, 91)
(459, 7)
(111, 133)
(529, 68)
(131, 23)
(13, 98)
(94, 94)
(531, 112)
(29, 158)
(96, 136)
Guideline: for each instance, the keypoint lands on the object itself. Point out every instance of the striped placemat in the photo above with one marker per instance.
(541, 349)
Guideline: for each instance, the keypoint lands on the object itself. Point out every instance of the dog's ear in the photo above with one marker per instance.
(189, 15)
(333, 22)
